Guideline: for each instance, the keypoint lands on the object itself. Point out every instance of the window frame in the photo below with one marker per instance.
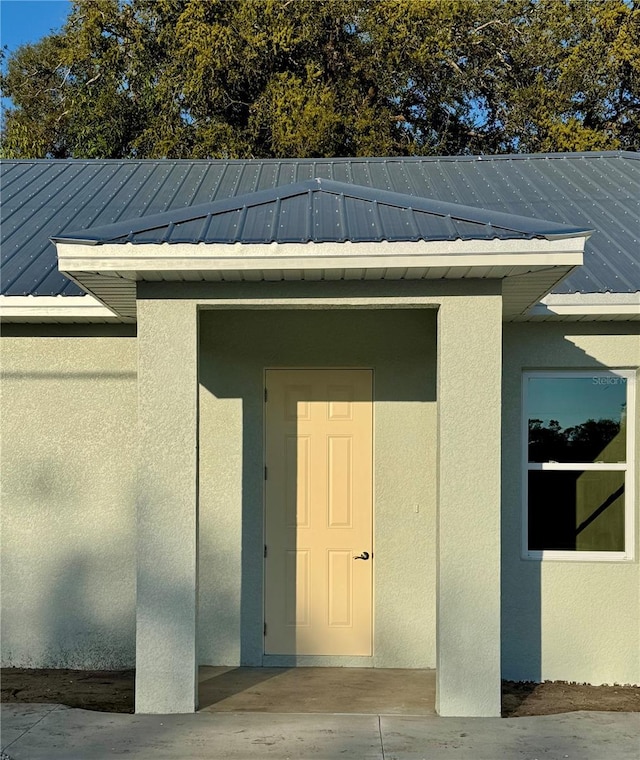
(628, 468)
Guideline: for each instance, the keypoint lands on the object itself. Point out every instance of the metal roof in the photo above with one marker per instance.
(322, 211)
(42, 199)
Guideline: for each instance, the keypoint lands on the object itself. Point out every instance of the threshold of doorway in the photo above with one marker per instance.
(362, 691)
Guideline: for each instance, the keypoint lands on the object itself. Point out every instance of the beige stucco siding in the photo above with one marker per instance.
(69, 459)
(236, 347)
(167, 507)
(577, 621)
(68, 462)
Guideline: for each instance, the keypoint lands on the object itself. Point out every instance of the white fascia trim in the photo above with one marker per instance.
(202, 256)
(587, 304)
(54, 307)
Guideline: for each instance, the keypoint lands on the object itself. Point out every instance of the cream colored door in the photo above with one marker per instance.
(319, 440)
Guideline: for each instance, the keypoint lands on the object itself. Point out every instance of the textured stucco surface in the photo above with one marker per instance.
(236, 347)
(468, 581)
(68, 441)
(574, 621)
(70, 456)
(167, 507)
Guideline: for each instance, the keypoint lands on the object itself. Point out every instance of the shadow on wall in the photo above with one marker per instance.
(83, 616)
(68, 564)
(68, 590)
(522, 603)
(236, 347)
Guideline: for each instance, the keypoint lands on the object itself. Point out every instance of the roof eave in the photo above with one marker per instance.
(572, 307)
(56, 310)
(110, 272)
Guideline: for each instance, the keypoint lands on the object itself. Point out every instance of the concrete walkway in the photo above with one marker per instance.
(53, 732)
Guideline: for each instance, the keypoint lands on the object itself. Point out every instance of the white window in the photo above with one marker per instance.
(578, 465)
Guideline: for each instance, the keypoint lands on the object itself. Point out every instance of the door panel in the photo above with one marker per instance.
(319, 505)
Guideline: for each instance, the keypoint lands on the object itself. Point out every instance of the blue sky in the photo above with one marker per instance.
(574, 400)
(23, 21)
(28, 20)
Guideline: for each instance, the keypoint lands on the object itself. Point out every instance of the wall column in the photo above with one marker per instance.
(468, 528)
(167, 515)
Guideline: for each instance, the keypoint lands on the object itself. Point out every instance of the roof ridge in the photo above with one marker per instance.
(337, 159)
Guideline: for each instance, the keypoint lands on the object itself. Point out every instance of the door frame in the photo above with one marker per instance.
(276, 660)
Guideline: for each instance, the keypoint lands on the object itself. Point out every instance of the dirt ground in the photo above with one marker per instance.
(112, 691)
(105, 690)
(521, 699)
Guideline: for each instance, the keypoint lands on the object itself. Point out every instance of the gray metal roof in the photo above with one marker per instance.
(601, 191)
(322, 211)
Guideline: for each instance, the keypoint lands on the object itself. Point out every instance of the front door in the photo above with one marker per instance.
(319, 532)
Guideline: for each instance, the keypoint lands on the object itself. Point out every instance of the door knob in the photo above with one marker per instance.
(364, 555)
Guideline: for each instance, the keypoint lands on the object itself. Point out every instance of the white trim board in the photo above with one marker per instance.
(109, 271)
(234, 251)
(587, 306)
(55, 309)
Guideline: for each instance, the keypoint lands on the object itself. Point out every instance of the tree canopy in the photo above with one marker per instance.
(293, 78)
(589, 441)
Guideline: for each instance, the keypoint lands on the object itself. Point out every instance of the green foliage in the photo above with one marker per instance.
(589, 441)
(287, 78)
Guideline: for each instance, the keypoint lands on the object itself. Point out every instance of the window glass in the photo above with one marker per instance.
(577, 419)
(574, 510)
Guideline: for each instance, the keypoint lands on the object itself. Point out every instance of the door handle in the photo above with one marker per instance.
(364, 555)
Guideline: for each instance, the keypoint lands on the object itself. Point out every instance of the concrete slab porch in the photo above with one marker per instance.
(364, 691)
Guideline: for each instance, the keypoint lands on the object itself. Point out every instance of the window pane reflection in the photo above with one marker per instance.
(576, 510)
(577, 419)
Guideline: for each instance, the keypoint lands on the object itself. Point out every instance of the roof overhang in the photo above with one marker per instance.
(580, 307)
(529, 268)
(56, 310)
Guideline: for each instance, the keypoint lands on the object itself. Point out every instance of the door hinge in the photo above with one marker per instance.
(265, 472)
(265, 550)
(265, 394)
(265, 630)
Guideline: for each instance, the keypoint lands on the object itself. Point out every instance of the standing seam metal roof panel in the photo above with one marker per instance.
(46, 198)
(339, 212)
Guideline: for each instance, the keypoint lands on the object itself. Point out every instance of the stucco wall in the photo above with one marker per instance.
(576, 621)
(167, 507)
(236, 347)
(68, 460)
(68, 470)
